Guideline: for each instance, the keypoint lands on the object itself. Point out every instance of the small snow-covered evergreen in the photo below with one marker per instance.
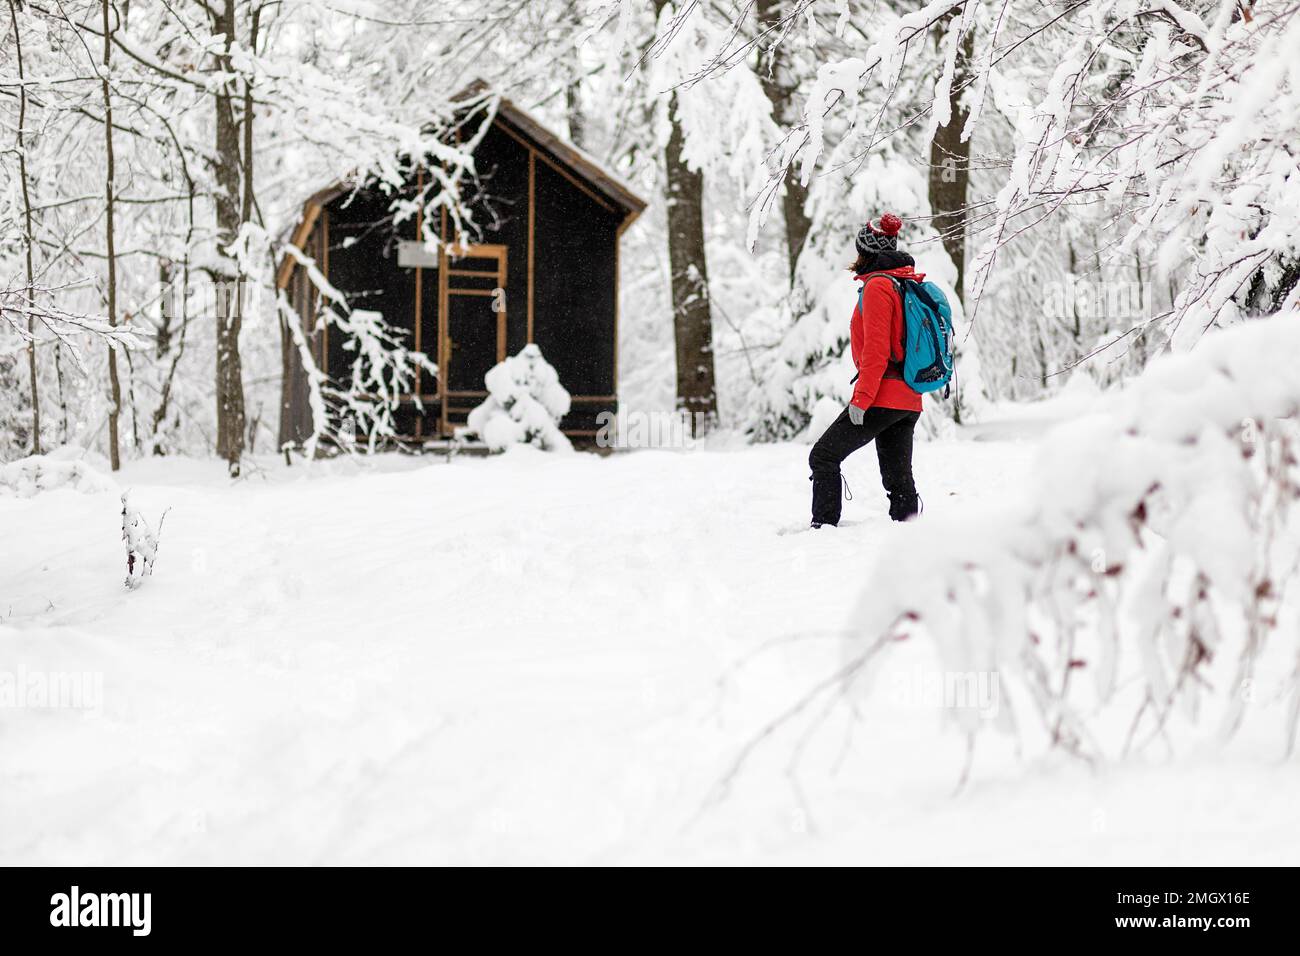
(524, 406)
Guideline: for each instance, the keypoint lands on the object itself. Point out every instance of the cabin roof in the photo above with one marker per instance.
(576, 162)
(579, 163)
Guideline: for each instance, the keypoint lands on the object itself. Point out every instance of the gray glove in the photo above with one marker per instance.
(856, 414)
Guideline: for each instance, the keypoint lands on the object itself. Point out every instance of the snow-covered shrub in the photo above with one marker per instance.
(524, 405)
(141, 543)
(1159, 534)
(29, 476)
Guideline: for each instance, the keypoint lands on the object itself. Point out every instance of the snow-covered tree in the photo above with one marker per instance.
(1113, 143)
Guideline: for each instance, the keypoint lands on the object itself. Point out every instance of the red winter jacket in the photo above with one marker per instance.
(876, 337)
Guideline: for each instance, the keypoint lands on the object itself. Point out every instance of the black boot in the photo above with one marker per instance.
(903, 505)
(826, 502)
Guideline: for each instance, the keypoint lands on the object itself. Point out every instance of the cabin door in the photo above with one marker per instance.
(473, 330)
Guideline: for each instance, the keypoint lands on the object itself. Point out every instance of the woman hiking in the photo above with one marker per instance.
(884, 408)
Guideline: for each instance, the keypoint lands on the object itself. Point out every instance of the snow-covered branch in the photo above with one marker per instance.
(1158, 536)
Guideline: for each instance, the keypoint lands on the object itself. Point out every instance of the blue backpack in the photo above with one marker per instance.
(927, 333)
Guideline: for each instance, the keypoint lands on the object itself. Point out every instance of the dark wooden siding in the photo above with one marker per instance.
(363, 266)
(501, 212)
(574, 283)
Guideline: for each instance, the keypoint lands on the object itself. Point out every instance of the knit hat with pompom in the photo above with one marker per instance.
(880, 235)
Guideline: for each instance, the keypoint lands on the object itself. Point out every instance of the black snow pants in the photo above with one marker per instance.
(891, 429)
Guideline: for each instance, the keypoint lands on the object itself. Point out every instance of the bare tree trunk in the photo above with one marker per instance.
(780, 84)
(63, 398)
(230, 386)
(246, 209)
(692, 316)
(170, 303)
(28, 235)
(130, 396)
(164, 337)
(950, 161)
(573, 112)
(115, 387)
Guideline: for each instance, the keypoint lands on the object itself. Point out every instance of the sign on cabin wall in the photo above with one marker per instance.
(414, 254)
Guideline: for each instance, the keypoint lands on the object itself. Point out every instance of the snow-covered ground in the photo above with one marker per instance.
(534, 659)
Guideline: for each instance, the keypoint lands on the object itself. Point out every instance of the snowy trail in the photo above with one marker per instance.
(519, 660)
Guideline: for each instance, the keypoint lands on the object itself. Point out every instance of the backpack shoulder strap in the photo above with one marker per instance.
(894, 369)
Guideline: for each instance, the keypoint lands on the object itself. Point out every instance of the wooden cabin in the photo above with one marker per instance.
(543, 269)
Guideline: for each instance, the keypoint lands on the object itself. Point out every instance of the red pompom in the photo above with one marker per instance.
(890, 224)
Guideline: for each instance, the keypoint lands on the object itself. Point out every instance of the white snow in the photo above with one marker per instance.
(34, 474)
(534, 659)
